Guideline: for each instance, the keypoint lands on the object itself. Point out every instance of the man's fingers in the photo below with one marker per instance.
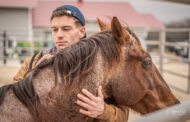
(84, 112)
(94, 104)
(84, 105)
(100, 92)
(88, 94)
(85, 99)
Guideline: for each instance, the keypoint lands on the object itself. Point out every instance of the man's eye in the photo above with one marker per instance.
(54, 30)
(66, 29)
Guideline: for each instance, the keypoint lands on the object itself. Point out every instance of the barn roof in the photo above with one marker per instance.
(42, 11)
(91, 10)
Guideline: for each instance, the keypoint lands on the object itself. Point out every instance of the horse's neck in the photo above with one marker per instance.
(59, 106)
(44, 82)
(98, 77)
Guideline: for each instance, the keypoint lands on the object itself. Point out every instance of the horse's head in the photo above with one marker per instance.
(137, 83)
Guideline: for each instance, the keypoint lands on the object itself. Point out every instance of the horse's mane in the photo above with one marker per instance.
(79, 59)
(70, 63)
(3, 91)
(133, 34)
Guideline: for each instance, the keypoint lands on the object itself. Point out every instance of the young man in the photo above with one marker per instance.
(67, 23)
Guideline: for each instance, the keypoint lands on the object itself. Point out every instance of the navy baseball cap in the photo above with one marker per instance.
(75, 12)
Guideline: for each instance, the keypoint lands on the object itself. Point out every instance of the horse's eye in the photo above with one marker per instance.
(147, 63)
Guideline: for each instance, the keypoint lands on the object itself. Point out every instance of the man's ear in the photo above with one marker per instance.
(82, 32)
(102, 25)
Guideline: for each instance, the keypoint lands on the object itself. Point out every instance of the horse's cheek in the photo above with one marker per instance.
(120, 91)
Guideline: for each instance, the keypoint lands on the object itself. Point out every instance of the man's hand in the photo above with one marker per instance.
(45, 57)
(94, 105)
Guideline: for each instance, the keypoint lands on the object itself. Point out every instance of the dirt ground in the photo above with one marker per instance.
(9, 70)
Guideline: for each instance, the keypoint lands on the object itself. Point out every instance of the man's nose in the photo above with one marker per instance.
(60, 33)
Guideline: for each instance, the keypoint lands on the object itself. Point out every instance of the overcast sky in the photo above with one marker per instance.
(163, 11)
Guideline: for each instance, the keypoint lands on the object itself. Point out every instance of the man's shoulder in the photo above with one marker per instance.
(34, 59)
(37, 54)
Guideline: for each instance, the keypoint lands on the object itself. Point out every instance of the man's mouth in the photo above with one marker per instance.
(62, 43)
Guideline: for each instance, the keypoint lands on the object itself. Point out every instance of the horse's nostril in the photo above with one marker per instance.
(177, 101)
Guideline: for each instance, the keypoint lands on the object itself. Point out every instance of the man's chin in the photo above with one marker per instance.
(61, 47)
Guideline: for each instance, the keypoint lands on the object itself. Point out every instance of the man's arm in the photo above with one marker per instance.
(97, 108)
(22, 71)
(25, 67)
(114, 113)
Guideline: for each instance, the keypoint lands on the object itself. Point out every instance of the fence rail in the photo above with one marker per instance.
(19, 44)
(176, 113)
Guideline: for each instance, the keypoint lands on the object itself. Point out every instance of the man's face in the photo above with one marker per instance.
(65, 32)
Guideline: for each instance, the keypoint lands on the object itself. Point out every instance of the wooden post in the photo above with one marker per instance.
(162, 38)
(30, 31)
(188, 86)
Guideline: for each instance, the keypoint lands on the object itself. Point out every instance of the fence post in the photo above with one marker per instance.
(188, 87)
(30, 31)
(4, 47)
(162, 37)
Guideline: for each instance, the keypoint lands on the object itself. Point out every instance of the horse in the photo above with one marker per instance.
(112, 58)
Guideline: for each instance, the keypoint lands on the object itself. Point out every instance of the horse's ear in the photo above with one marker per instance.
(118, 32)
(102, 25)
